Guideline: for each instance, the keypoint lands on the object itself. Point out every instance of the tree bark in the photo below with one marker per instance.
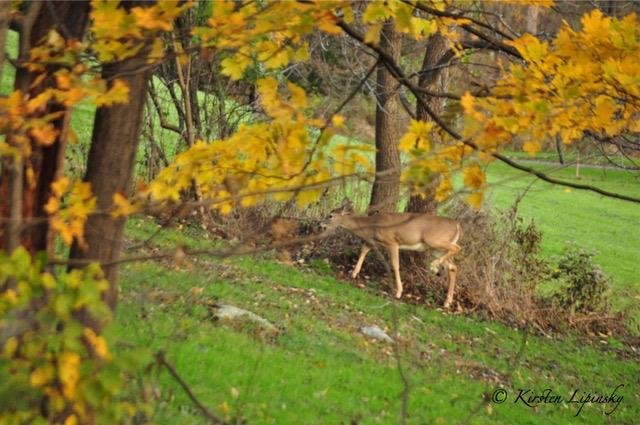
(386, 187)
(531, 25)
(434, 70)
(70, 19)
(110, 167)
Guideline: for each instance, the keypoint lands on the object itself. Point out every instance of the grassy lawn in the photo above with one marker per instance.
(321, 370)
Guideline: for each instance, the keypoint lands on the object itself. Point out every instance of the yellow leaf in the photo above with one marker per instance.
(52, 205)
(39, 102)
(474, 177)
(69, 373)
(41, 376)
(372, 36)
(531, 147)
(444, 189)
(97, 342)
(605, 108)
(235, 65)
(306, 197)
(122, 206)
(118, 93)
(60, 186)
(298, 95)
(376, 11)
(10, 347)
(337, 120)
(476, 199)
(225, 208)
(31, 178)
(11, 296)
(466, 101)
(407, 142)
(44, 135)
(279, 58)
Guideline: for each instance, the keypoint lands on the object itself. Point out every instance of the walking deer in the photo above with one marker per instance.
(403, 231)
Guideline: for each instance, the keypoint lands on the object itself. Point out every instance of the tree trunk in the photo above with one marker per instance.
(386, 187)
(559, 150)
(70, 19)
(531, 25)
(110, 167)
(434, 71)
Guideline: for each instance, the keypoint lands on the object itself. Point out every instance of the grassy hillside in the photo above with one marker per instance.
(321, 370)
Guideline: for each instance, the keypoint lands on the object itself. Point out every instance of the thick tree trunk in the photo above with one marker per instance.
(70, 19)
(433, 74)
(110, 167)
(386, 187)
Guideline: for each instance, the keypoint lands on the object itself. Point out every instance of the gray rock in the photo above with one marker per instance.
(375, 333)
(231, 313)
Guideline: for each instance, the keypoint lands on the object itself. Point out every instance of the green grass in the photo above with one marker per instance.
(321, 370)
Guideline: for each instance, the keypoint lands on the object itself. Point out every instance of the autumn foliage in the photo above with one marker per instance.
(52, 351)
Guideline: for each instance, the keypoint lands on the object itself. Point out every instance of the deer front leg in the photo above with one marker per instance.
(452, 283)
(363, 253)
(394, 254)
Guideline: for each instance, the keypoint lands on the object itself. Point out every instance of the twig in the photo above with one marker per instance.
(172, 370)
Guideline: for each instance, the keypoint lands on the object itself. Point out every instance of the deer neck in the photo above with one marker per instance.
(356, 225)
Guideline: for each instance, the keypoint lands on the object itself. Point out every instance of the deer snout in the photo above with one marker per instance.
(328, 223)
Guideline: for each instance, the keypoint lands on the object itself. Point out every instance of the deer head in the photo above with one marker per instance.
(335, 217)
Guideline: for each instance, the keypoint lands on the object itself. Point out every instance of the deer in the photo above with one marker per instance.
(402, 231)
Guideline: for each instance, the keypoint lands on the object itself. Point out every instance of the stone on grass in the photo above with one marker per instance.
(231, 313)
(375, 333)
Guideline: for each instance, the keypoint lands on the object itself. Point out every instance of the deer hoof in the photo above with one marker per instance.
(447, 305)
(354, 275)
(398, 294)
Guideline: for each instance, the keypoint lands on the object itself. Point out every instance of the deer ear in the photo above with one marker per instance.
(346, 206)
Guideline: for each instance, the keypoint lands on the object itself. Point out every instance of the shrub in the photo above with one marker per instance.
(584, 285)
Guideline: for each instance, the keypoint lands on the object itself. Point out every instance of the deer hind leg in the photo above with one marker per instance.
(452, 282)
(394, 254)
(363, 253)
(451, 250)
